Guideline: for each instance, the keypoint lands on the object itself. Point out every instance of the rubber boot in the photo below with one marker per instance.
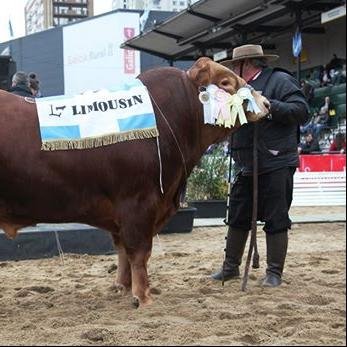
(235, 246)
(276, 250)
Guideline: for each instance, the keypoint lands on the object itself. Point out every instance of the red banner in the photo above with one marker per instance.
(129, 54)
(322, 163)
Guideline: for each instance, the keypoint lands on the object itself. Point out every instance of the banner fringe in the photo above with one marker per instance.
(94, 142)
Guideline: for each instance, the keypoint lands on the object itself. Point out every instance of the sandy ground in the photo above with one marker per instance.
(46, 302)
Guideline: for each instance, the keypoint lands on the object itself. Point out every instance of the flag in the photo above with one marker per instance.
(297, 43)
(10, 29)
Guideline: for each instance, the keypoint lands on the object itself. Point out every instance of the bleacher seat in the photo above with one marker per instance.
(338, 89)
(333, 121)
(341, 110)
(322, 92)
(338, 99)
(317, 103)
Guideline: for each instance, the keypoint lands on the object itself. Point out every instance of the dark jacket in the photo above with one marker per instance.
(21, 90)
(309, 147)
(277, 137)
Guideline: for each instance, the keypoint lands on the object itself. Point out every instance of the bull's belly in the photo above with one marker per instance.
(17, 214)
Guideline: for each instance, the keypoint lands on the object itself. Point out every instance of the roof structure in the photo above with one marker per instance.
(210, 26)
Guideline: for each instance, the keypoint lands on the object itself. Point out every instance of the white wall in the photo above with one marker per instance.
(92, 57)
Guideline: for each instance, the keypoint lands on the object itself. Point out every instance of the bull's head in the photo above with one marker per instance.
(205, 71)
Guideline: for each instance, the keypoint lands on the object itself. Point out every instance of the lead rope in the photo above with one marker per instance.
(160, 168)
(60, 249)
(173, 135)
(253, 242)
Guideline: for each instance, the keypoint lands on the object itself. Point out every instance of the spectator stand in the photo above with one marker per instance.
(337, 123)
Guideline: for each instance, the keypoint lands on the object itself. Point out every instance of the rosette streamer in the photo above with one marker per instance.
(221, 108)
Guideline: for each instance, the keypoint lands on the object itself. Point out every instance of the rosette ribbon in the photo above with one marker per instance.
(221, 108)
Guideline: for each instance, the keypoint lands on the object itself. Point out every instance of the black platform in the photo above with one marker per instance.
(42, 241)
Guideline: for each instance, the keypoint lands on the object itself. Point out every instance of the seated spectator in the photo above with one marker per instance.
(320, 121)
(325, 78)
(334, 64)
(309, 145)
(339, 76)
(20, 84)
(317, 73)
(308, 90)
(34, 85)
(339, 143)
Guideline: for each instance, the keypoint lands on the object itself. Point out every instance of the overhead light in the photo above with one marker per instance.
(215, 29)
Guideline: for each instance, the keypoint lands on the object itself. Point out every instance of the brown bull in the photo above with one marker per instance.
(115, 187)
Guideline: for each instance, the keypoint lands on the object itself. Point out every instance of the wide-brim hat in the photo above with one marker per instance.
(249, 52)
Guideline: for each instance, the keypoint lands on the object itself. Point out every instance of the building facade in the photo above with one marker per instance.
(159, 5)
(44, 14)
(63, 62)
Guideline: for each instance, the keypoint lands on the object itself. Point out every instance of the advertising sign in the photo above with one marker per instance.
(322, 163)
(93, 58)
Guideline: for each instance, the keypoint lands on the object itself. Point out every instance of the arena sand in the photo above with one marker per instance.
(45, 302)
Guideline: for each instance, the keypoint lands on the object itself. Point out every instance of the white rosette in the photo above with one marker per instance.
(209, 103)
(246, 94)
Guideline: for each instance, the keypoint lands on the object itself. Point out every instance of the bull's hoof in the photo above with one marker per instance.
(135, 302)
(120, 288)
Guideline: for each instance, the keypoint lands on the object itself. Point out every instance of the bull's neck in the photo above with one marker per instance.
(180, 118)
(207, 134)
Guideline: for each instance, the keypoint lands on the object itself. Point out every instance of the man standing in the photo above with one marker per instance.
(277, 162)
(20, 84)
(310, 145)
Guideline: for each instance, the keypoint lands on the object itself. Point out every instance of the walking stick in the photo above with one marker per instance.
(227, 219)
(253, 243)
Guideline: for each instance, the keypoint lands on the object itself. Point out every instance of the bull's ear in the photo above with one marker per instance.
(200, 72)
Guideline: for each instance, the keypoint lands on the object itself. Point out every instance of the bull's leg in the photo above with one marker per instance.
(137, 241)
(140, 283)
(123, 281)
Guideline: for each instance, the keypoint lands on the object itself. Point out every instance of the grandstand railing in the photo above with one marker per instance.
(320, 180)
(319, 189)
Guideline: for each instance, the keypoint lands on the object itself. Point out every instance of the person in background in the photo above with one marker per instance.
(339, 76)
(20, 84)
(34, 85)
(339, 143)
(334, 64)
(325, 78)
(308, 90)
(310, 145)
(321, 119)
(277, 162)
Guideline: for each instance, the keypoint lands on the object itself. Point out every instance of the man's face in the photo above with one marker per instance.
(236, 67)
